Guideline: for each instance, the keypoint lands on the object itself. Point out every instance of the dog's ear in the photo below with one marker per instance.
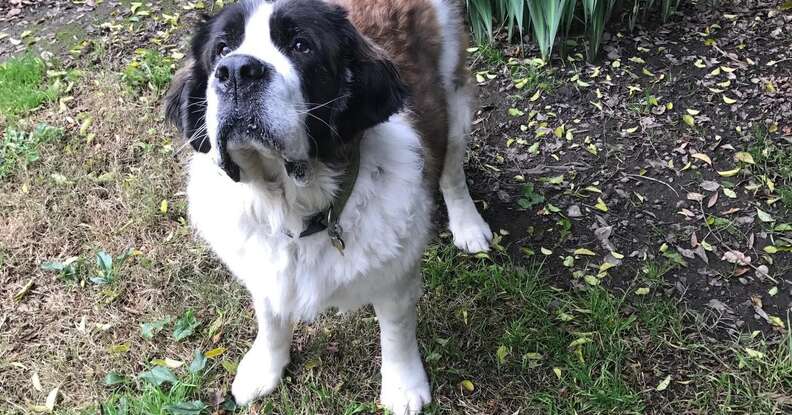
(376, 91)
(185, 105)
(185, 102)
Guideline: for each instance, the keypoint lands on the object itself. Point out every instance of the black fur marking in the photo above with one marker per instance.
(185, 103)
(347, 85)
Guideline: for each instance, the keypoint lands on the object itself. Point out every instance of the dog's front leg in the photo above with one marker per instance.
(405, 389)
(260, 370)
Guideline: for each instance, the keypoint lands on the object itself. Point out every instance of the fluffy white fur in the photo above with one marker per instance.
(253, 226)
(387, 225)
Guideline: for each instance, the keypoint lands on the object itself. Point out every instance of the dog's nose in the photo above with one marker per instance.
(239, 70)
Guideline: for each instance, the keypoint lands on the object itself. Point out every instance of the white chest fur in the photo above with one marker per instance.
(386, 226)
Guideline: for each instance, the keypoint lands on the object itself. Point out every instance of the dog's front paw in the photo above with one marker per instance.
(257, 375)
(405, 392)
(471, 233)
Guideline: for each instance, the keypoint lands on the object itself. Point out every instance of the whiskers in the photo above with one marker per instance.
(317, 106)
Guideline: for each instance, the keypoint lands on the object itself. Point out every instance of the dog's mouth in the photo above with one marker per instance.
(252, 137)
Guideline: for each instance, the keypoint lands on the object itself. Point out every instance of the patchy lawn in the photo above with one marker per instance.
(643, 206)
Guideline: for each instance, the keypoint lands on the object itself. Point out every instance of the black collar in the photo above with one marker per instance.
(329, 218)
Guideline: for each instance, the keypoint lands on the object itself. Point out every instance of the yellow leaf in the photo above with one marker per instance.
(663, 385)
(215, 352)
(536, 95)
(776, 321)
(468, 385)
(546, 251)
(584, 251)
(728, 100)
(601, 205)
(689, 120)
(579, 342)
(642, 291)
(591, 280)
(501, 354)
(559, 131)
(729, 173)
(699, 64)
(164, 206)
(754, 354)
(557, 372)
(744, 157)
(703, 157)
(692, 111)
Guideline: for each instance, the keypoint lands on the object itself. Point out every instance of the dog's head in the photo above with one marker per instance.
(284, 81)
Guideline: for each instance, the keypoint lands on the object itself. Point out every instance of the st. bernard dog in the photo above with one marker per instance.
(322, 129)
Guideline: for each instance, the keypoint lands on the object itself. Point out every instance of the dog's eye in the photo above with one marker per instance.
(222, 49)
(301, 45)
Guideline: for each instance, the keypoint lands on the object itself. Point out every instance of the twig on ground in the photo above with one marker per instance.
(654, 180)
(542, 169)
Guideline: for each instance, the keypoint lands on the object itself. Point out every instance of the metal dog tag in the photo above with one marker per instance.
(335, 231)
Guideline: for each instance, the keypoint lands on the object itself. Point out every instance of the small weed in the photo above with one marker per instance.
(185, 326)
(653, 271)
(772, 161)
(529, 75)
(20, 149)
(107, 267)
(786, 196)
(490, 55)
(149, 69)
(22, 86)
(68, 270)
(530, 197)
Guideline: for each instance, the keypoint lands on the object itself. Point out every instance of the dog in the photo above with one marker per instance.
(321, 130)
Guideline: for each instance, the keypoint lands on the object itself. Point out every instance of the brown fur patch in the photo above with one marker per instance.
(408, 31)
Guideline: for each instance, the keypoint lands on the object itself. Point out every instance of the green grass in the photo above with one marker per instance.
(149, 399)
(20, 148)
(148, 70)
(23, 87)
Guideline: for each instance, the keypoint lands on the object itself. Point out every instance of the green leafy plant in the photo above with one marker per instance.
(668, 8)
(107, 267)
(529, 197)
(20, 148)
(69, 269)
(549, 18)
(545, 18)
(185, 326)
(149, 69)
(596, 13)
(161, 390)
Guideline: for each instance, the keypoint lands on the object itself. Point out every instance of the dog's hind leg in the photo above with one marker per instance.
(405, 388)
(471, 233)
(261, 368)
